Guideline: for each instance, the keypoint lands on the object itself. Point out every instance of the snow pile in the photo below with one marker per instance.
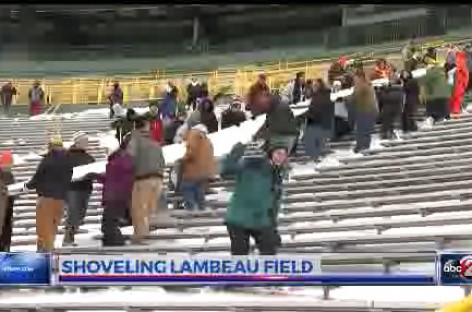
(9, 143)
(376, 143)
(427, 124)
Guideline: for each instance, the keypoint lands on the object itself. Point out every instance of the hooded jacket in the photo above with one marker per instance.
(198, 162)
(460, 83)
(207, 116)
(257, 194)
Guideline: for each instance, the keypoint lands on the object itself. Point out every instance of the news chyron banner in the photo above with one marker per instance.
(454, 269)
(139, 269)
(25, 269)
(151, 269)
(36, 269)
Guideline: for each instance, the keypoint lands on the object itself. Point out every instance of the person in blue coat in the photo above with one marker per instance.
(168, 107)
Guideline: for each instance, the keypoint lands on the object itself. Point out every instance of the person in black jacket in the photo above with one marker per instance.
(51, 182)
(390, 98)
(319, 120)
(411, 90)
(79, 192)
(298, 89)
(194, 90)
(308, 92)
(233, 116)
(124, 125)
(280, 125)
(207, 115)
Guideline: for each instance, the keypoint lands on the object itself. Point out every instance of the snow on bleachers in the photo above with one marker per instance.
(409, 195)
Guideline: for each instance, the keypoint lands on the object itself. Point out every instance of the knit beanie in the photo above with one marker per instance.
(55, 140)
(275, 143)
(78, 136)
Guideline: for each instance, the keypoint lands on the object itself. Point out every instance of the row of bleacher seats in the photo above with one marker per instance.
(144, 86)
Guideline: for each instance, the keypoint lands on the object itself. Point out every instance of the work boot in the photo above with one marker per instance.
(69, 236)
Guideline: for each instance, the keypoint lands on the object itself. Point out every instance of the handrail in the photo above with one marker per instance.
(94, 90)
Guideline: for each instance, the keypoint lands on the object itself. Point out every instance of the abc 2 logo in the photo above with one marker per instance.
(457, 267)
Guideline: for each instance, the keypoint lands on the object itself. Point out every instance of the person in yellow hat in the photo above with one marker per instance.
(51, 182)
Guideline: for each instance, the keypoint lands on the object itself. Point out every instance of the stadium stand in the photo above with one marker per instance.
(405, 196)
(397, 205)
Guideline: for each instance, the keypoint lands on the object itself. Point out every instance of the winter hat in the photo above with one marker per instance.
(200, 127)
(275, 143)
(78, 136)
(55, 140)
(343, 60)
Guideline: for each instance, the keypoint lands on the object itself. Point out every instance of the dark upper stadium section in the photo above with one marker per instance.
(82, 25)
(145, 30)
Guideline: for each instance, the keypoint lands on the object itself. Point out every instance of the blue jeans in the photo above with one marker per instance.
(315, 140)
(365, 126)
(77, 203)
(193, 194)
(163, 202)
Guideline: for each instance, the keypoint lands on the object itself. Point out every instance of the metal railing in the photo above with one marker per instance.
(143, 87)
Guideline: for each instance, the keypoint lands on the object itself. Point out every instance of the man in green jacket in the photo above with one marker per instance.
(255, 203)
(436, 93)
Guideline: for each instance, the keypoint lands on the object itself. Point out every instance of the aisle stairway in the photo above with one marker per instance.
(424, 180)
(394, 206)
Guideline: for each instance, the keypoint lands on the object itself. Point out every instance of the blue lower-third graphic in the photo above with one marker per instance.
(32, 269)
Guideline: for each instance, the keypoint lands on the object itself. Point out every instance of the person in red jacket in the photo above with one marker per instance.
(461, 80)
(156, 126)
